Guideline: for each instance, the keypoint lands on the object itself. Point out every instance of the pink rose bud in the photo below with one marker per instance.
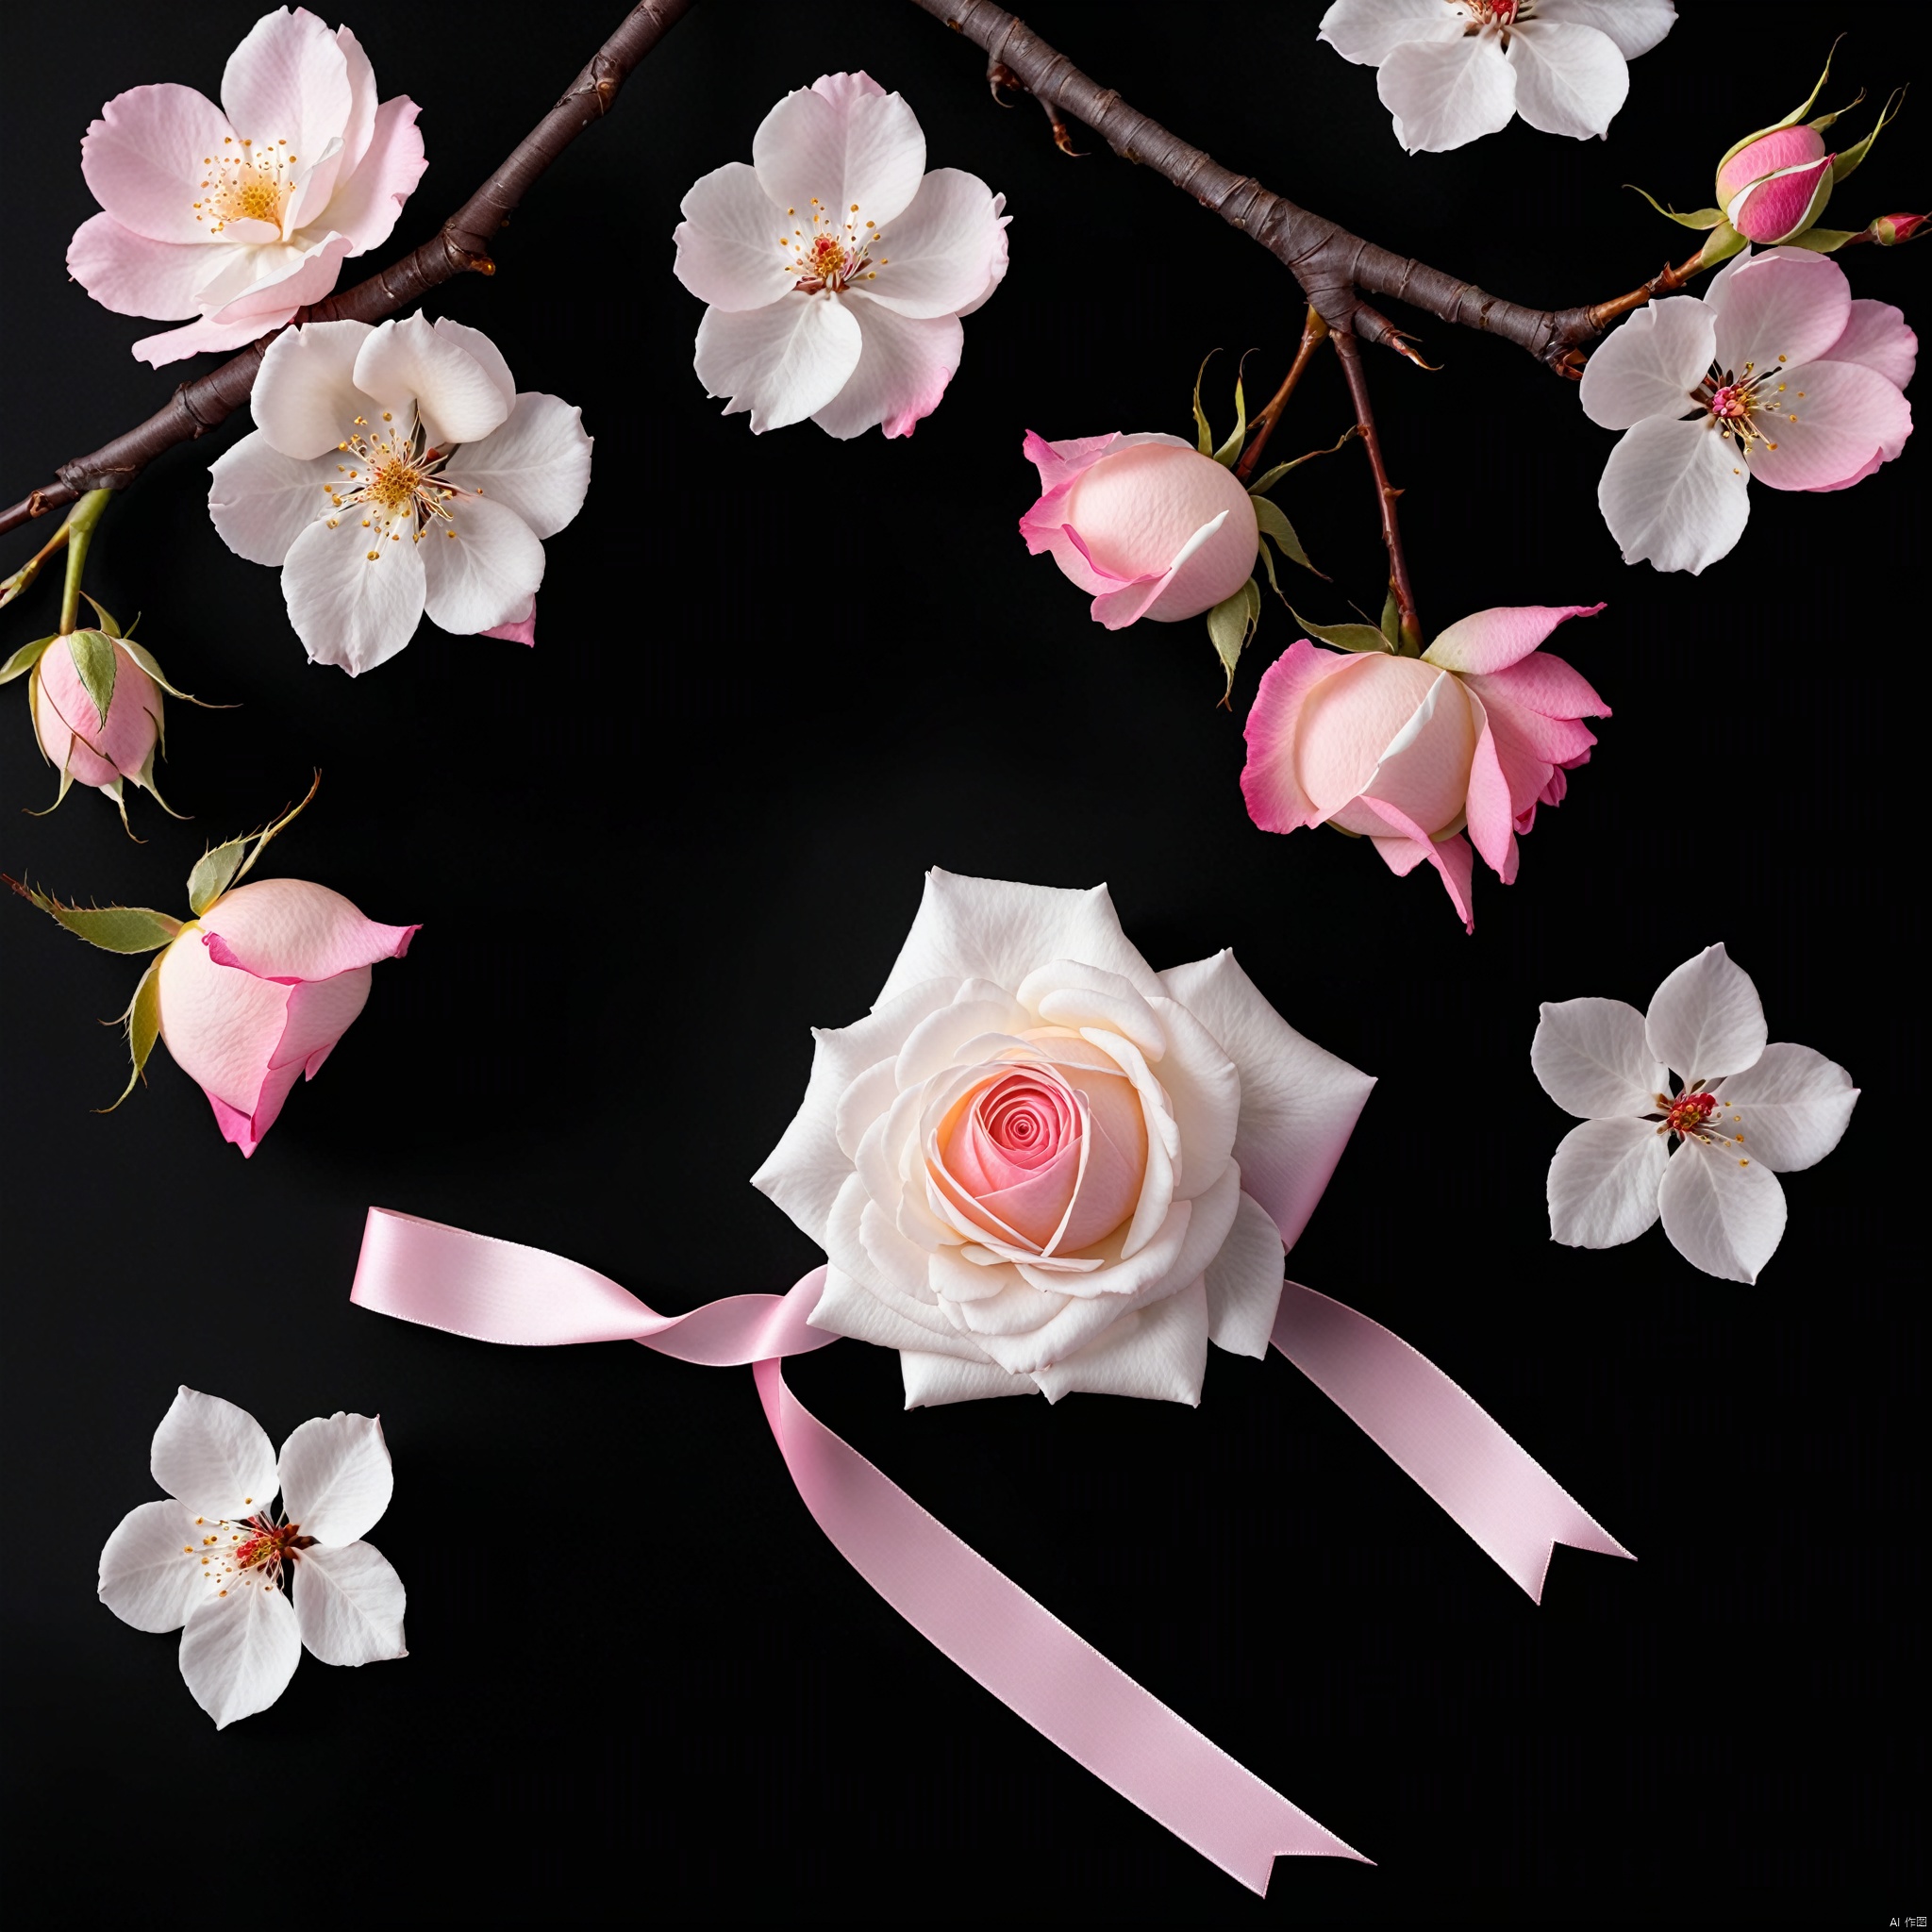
(1777, 186)
(73, 734)
(1889, 230)
(1146, 524)
(261, 986)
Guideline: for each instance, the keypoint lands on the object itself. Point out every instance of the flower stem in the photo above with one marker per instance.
(21, 578)
(1386, 492)
(1314, 331)
(80, 533)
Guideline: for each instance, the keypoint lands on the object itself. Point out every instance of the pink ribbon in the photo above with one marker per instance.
(495, 1290)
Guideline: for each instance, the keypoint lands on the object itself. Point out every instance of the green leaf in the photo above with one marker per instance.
(107, 624)
(1822, 241)
(1852, 155)
(1278, 528)
(1392, 620)
(1700, 218)
(1344, 637)
(1270, 477)
(143, 1018)
(214, 872)
(1229, 452)
(1791, 120)
(96, 659)
(1231, 624)
(24, 659)
(144, 657)
(1204, 437)
(113, 928)
(1719, 245)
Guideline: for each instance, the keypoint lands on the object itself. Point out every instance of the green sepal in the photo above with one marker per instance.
(1719, 245)
(108, 623)
(1280, 531)
(1345, 636)
(1822, 241)
(1791, 120)
(96, 658)
(1231, 624)
(25, 659)
(1701, 218)
(214, 872)
(1204, 437)
(1229, 452)
(1852, 155)
(143, 1021)
(146, 659)
(66, 784)
(113, 928)
(1819, 123)
(1392, 620)
(145, 779)
(1269, 478)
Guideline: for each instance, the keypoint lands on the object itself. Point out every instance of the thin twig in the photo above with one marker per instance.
(1667, 281)
(1386, 492)
(1314, 333)
(460, 246)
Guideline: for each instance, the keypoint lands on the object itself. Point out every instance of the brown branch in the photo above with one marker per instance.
(1350, 351)
(460, 246)
(1667, 281)
(1314, 333)
(1335, 268)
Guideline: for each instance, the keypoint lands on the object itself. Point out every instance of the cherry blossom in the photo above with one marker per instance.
(250, 1586)
(393, 469)
(1776, 373)
(242, 214)
(1686, 1114)
(837, 270)
(1452, 71)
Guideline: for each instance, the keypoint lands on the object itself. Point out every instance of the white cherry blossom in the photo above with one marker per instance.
(1452, 71)
(1687, 1114)
(836, 268)
(212, 1560)
(396, 468)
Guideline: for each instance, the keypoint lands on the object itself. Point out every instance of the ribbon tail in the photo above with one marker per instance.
(1494, 1487)
(1033, 1663)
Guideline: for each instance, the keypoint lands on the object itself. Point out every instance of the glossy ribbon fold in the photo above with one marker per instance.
(495, 1290)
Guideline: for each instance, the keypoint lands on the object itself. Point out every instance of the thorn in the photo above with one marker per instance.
(999, 74)
(1059, 134)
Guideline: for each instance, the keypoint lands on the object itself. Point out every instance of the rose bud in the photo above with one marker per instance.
(1776, 186)
(1144, 522)
(1889, 230)
(260, 988)
(1477, 732)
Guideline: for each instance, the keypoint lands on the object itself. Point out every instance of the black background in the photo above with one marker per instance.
(775, 678)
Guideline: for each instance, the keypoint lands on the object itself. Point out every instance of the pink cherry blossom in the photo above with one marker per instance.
(1146, 524)
(259, 990)
(1411, 752)
(836, 268)
(242, 214)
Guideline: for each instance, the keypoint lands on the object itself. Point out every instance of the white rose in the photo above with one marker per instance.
(1038, 1165)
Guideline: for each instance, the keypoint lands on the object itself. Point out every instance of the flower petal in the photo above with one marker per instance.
(1635, 27)
(1723, 1212)
(1674, 493)
(412, 361)
(933, 1380)
(291, 930)
(1788, 305)
(904, 366)
(1243, 1283)
(1705, 1020)
(1788, 1109)
(1491, 640)
(783, 362)
(1298, 1103)
(221, 1026)
(944, 250)
(347, 607)
(732, 249)
(261, 500)
(1158, 1353)
(369, 200)
(538, 463)
(1367, 31)
(1444, 93)
(1837, 417)
(841, 140)
(1650, 363)
(1593, 1059)
(998, 930)
(134, 274)
(849, 1308)
(240, 1650)
(1408, 846)
(1603, 1183)
(1875, 336)
(143, 160)
(481, 568)
(287, 83)
(304, 399)
(336, 1477)
(150, 1574)
(213, 1457)
(1270, 784)
(349, 1605)
(1570, 78)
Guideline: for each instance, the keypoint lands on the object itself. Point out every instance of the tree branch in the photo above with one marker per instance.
(1335, 268)
(460, 246)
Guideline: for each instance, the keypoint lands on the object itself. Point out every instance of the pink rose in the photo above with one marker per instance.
(1777, 186)
(260, 988)
(1475, 733)
(1144, 522)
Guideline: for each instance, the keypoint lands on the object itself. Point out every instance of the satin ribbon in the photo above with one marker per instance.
(501, 1291)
